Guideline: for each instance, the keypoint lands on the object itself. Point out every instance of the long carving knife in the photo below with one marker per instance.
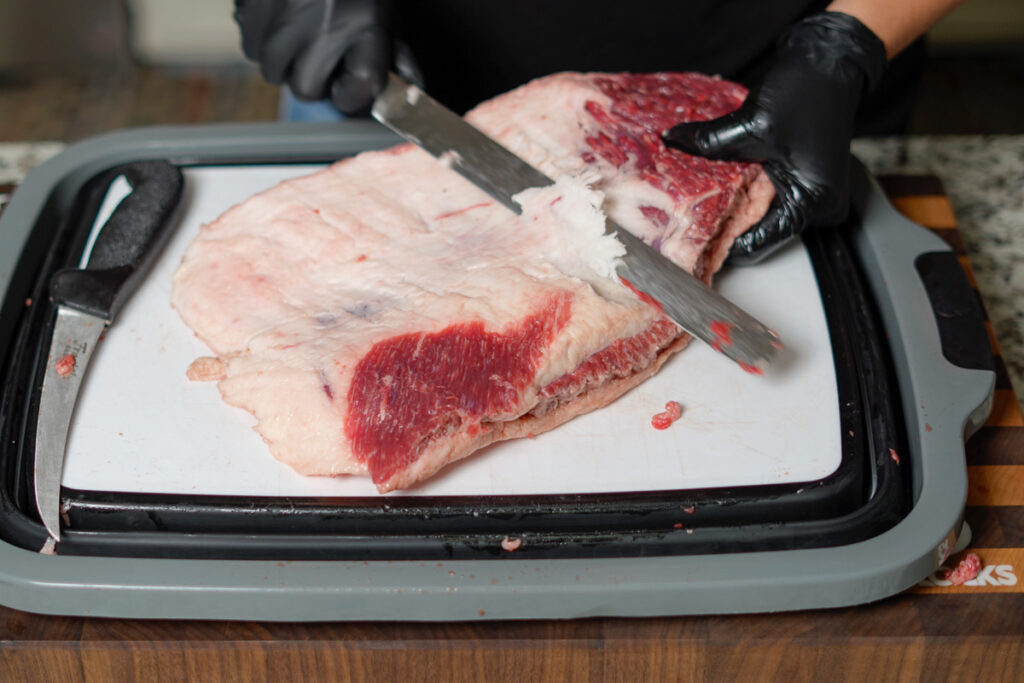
(690, 303)
(87, 301)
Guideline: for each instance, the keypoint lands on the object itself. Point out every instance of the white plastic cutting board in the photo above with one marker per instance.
(141, 426)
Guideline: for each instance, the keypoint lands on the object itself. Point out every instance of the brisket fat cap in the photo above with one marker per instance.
(384, 316)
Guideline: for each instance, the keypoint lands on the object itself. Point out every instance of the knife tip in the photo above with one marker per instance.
(53, 529)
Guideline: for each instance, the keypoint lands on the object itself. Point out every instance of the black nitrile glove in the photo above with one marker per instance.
(798, 123)
(337, 49)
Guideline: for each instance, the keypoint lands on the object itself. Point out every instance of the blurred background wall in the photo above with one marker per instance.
(982, 26)
(64, 33)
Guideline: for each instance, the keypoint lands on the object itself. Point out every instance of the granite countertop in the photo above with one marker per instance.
(983, 177)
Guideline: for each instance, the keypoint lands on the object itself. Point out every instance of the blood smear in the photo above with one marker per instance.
(673, 411)
(722, 332)
(752, 369)
(643, 296)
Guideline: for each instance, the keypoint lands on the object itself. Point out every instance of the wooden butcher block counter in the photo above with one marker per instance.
(934, 631)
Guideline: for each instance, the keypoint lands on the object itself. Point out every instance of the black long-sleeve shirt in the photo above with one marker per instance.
(470, 50)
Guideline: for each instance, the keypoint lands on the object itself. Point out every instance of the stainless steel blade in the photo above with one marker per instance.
(74, 338)
(695, 307)
(420, 119)
(690, 303)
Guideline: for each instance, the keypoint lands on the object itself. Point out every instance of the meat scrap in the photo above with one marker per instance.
(65, 365)
(206, 369)
(663, 420)
(511, 544)
(965, 571)
(385, 317)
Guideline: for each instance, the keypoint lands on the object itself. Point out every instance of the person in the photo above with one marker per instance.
(819, 73)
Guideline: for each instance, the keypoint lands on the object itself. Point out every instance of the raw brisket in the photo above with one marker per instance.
(385, 317)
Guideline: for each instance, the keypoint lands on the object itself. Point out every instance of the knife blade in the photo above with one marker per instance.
(87, 301)
(695, 307)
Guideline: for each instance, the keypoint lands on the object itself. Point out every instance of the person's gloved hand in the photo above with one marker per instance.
(336, 49)
(798, 123)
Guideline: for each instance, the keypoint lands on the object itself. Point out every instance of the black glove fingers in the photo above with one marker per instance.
(798, 123)
(363, 74)
(738, 136)
(312, 69)
(340, 49)
(785, 219)
(255, 19)
(406, 65)
(770, 233)
(280, 50)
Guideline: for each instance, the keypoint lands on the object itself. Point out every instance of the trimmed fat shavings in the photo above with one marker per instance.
(585, 245)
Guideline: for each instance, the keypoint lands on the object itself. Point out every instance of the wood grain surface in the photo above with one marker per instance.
(933, 632)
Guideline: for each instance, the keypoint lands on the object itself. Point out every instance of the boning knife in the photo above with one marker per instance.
(87, 300)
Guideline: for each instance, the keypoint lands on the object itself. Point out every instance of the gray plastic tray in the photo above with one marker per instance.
(954, 402)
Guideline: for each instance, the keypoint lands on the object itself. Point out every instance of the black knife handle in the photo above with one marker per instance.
(127, 244)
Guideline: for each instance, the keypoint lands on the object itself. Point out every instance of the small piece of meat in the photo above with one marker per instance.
(663, 420)
(511, 544)
(65, 365)
(966, 570)
(206, 369)
(385, 317)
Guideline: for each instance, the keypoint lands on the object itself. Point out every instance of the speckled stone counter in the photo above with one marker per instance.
(18, 158)
(983, 177)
